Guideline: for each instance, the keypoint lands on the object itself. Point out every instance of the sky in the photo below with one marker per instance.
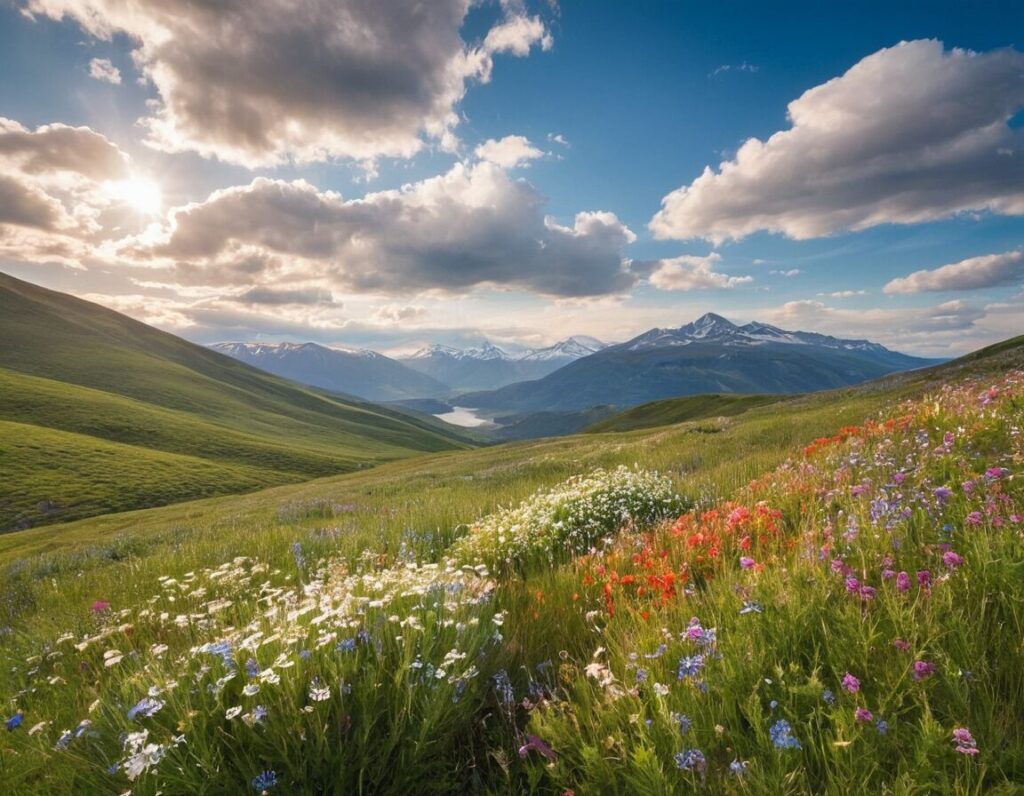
(387, 173)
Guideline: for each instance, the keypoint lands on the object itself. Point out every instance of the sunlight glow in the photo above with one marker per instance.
(141, 194)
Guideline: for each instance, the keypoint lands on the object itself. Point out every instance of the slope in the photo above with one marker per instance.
(91, 377)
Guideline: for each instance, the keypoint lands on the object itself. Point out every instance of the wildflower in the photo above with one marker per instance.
(690, 666)
(952, 560)
(851, 683)
(882, 726)
(924, 578)
(852, 585)
(232, 713)
(319, 693)
(903, 582)
(346, 645)
(641, 675)
(661, 689)
(942, 494)
(252, 668)
(100, 607)
(901, 645)
(251, 689)
(746, 562)
(781, 734)
(923, 669)
(738, 768)
(751, 608)
(145, 707)
(682, 721)
(264, 781)
(691, 760)
(965, 743)
(867, 592)
(828, 697)
(536, 744)
(863, 714)
(14, 721)
(300, 559)
(974, 518)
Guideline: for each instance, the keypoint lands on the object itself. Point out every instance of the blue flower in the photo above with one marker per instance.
(346, 645)
(773, 704)
(641, 675)
(682, 721)
(750, 607)
(882, 726)
(14, 722)
(738, 768)
(690, 666)
(782, 735)
(252, 668)
(146, 707)
(300, 559)
(264, 781)
(690, 760)
(829, 697)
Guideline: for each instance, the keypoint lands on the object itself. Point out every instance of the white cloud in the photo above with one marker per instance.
(263, 82)
(791, 272)
(974, 273)
(841, 294)
(558, 138)
(470, 227)
(740, 67)
(103, 69)
(909, 134)
(692, 272)
(508, 152)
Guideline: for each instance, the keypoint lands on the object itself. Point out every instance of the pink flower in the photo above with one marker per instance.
(951, 559)
(974, 518)
(903, 582)
(862, 714)
(851, 683)
(535, 743)
(901, 645)
(746, 562)
(923, 669)
(100, 607)
(965, 743)
(924, 578)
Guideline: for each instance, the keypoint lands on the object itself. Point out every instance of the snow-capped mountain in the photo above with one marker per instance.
(359, 372)
(568, 350)
(709, 355)
(712, 328)
(488, 367)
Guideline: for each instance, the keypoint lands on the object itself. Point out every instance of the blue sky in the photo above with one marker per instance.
(618, 107)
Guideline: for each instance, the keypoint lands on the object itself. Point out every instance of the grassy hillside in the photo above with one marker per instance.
(87, 385)
(680, 410)
(186, 590)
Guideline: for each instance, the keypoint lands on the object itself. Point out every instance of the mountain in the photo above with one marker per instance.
(707, 356)
(490, 367)
(101, 413)
(364, 374)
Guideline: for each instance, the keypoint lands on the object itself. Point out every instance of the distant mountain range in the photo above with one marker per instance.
(489, 367)
(361, 373)
(709, 355)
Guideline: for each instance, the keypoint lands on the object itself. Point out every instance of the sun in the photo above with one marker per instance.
(140, 193)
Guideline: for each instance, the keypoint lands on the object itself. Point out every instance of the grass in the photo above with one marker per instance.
(679, 410)
(313, 636)
(171, 420)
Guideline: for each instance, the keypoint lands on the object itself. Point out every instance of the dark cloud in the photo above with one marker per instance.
(261, 81)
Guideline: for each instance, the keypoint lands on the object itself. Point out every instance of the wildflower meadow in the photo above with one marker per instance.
(850, 621)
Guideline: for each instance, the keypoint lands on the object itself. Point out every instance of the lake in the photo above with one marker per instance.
(467, 418)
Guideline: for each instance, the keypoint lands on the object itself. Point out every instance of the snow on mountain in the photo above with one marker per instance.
(712, 328)
(570, 349)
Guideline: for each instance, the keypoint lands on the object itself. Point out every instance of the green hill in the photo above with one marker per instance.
(100, 413)
(680, 410)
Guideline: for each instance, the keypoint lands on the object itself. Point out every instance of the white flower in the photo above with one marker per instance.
(251, 689)
(318, 694)
(231, 713)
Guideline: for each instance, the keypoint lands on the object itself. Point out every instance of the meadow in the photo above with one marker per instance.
(821, 595)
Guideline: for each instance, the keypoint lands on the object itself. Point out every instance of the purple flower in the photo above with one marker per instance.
(951, 559)
(852, 585)
(974, 518)
(888, 573)
(902, 582)
(901, 645)
(923, 669)
(995, 473)
(899, 478)
(691, 760)
(746, 562)
(924, 578)
(851, 683)
(942, 494)
(537, 745)
(863, 714)
(965, 743)
(867, 592)
(690, 666)
(782, 736)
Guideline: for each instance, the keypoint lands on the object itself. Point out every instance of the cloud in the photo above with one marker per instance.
(974, 273)
(508, 152)
(691, 272)
(54, 202)
(909, 134)
(472, 226)
(789, 273)
(263, 82)
(741, 67)
(558, 138)
(103, 69)
(841, 294)
(397, 313)
(271, 297)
